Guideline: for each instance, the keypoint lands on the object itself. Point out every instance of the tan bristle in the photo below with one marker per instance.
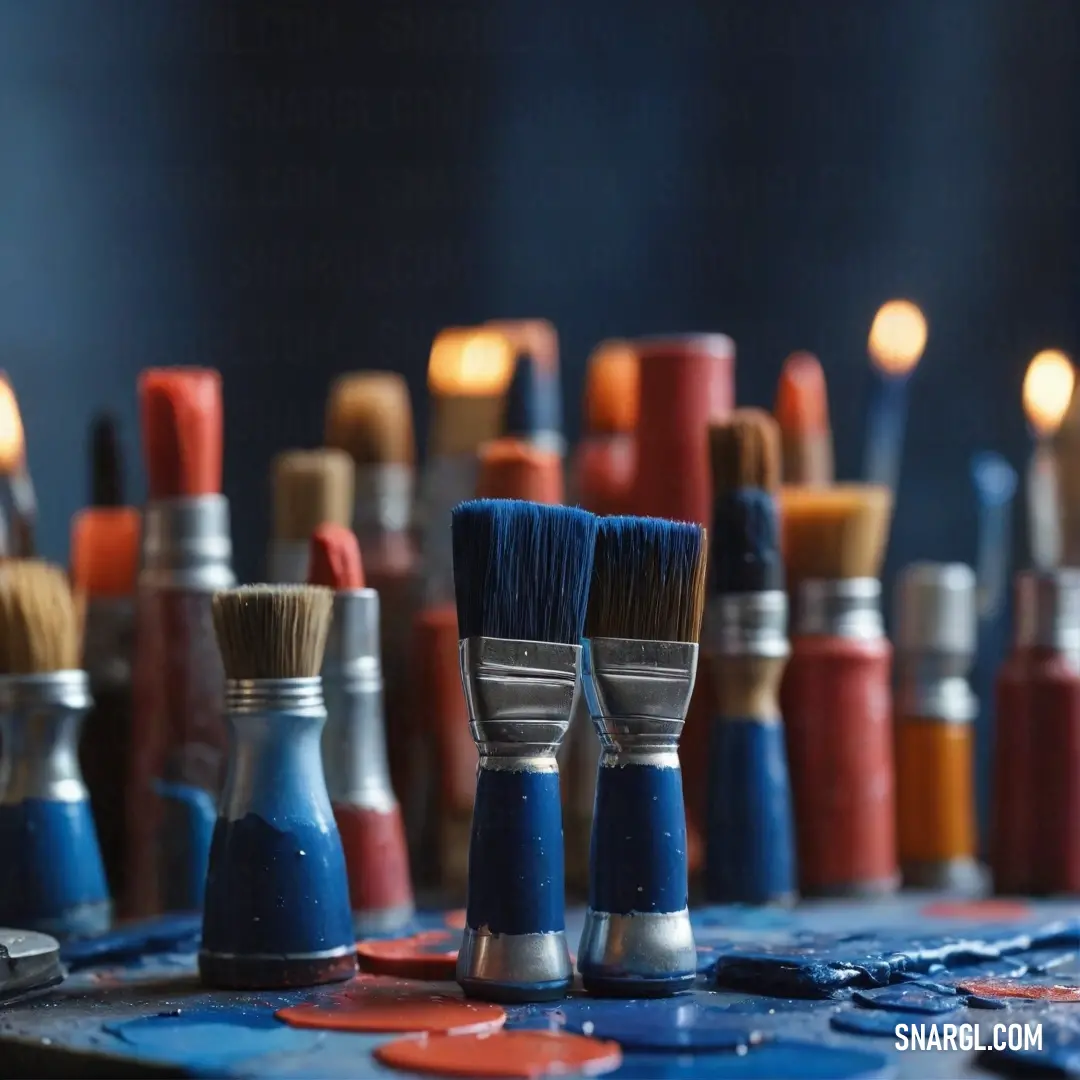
(744, 451)
(311, 488)
(369, 416)
(272, 631)
(1066, 446)
(40, 620)
(836, 532)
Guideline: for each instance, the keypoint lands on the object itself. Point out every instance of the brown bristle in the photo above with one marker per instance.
(512, 469)
(335, 561)
(272, 631)
(311, 487)
(40, 619)
(369, 416)
(836, 532)
(744, 452)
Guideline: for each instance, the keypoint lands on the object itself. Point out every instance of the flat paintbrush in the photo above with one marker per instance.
(521, 578)
(639, 666)
(750, 842)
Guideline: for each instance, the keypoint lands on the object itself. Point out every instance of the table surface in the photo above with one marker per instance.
(132, 1005)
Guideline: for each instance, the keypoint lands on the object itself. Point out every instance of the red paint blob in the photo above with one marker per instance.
(978, 910)
(509, 1054)
(376, 857)
(1009, 988)
(379, 1008)
(455, 919)
(431, 955)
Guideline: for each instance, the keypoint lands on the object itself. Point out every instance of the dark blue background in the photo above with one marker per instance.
(288, 195)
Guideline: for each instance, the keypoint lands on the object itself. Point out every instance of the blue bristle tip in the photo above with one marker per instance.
(533, 400)
(746, 543)
(521, 570)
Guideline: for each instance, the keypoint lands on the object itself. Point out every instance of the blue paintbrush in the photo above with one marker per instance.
(534, 405)
(897, 340)
(995, 481)
(521, 581)
(750, 847)
(639, 667)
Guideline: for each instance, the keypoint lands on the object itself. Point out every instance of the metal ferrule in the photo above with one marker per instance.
(277, 728)
(846, 608)
(384, 498)
(638, 693)
(109, 642)
(354, 740)
(1048, 612)
(187, 544)
(40, 720)
(748, 624)
(287, 562)
(520, 696)
(962, 876)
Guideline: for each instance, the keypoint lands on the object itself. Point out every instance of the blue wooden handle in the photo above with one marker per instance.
(750, 847)
(51, 874)
(638, 856)
(516, 873)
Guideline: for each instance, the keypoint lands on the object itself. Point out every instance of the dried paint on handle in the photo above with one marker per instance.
(836, 700)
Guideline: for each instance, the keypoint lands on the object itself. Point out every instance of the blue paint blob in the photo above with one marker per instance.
(171, 934)
(877, 1023)
(977, 1001)
(750, 846)
(51, 874)
(516, 882)
(909, 998)
(1042, 961)
(660, 1025)
(638, 856)
(187, 829)
(276, 891)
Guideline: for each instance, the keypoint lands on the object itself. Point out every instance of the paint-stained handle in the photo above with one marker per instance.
(638, 861)
(377, 861)
(750, 853)
(516, 875)
(51, 873)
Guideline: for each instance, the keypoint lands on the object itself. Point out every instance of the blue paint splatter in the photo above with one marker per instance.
(874, 1022)
(910, 998)
(171, 934)
(768, 1061)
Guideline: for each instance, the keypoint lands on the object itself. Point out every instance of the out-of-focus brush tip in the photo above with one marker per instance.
(745, 452)
(12, 434)
(105, 550)
(106, 462)
(369, 415)
(612, 390)
(473, 361)
(183, 431)
(511, 469)
(802, 401)
(335, 559)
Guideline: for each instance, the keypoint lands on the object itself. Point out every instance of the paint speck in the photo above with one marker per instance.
(772, 1012)
(741, 1050)
(301, 853)
(588, 1027)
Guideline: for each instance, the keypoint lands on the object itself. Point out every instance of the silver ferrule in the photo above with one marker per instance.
(109, 642)
(276, 754)
(520, 696)
(40, 720)
(354, 740)
(187, 544)
(1048, 611)
(637, 693)
(748, 624)
(287, 562)
(549, 442)
(846, 608)
(384, 498)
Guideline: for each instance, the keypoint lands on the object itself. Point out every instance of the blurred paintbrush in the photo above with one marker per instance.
(802, 411)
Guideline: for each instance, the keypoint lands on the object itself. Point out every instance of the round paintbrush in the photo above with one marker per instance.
(802, 411)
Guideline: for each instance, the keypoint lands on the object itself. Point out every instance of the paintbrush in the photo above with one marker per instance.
(836, 694)
(521, 580)
(311, 487)
(277, 895)
(638, 669)
(605, 458)
(369, 415)
(896, 344)
(179, 735)
(750, 854)
(106, 462)
(104, 571)
(51, 873)
(21, 511)
(354, 742)
(802, 411)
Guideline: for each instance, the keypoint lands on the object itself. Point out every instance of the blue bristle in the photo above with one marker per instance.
(533, 400)
(648, 580)
(746, 542)
(521, 570)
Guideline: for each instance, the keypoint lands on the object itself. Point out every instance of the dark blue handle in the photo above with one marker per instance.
(51, 875)
(187, 829)
(638, 856)
(750, 848)
(516, 873)
(276, 890)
